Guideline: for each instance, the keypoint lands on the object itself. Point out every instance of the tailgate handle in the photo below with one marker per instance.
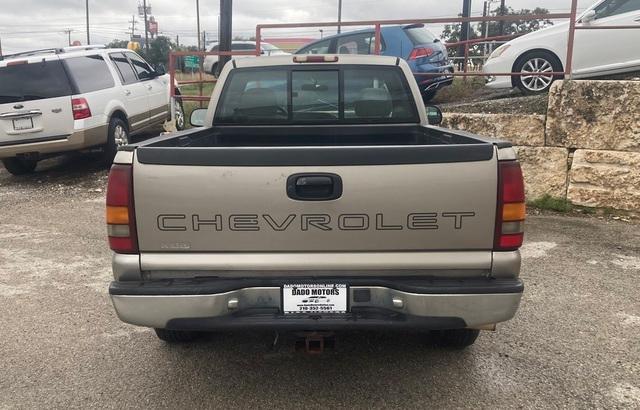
(314, 187)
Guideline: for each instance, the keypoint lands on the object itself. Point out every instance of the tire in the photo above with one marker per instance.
(214, 70)
(118, 136)
(20, 166)
(429, 95)
(455, 338)
(180, 121)
(536, 62)
(176, 336)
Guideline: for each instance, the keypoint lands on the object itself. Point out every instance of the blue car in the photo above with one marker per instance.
(424, 52)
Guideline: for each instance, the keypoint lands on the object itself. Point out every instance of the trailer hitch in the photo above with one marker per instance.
(315, 342)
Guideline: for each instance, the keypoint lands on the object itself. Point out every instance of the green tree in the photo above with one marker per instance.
(118, 44)
(451, 32)
(159, 49)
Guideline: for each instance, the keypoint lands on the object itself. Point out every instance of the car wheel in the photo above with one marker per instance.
(535, 67)
(176, 336)
(118, 137)
(214, 70)
(454, 338)
(20, 166)
(179, 114)
(429, 95)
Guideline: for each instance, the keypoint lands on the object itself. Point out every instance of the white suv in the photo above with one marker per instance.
(60, 100)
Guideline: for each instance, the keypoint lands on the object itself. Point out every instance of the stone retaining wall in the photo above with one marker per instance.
(587, 148)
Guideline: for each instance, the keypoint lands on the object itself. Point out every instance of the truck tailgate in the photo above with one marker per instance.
(436, 204)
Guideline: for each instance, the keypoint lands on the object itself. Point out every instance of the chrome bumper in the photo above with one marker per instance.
(260, 306)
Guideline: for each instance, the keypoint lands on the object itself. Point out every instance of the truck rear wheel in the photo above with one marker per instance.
(176, 336)
(20, 166)
(455, 338)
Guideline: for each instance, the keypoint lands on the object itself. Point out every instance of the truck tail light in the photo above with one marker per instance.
(80, 108)
(121, 221)
(511, 209)
(420, 52)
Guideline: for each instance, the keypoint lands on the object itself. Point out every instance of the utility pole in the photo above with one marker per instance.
(133, 26)
(198, 22)
(339, 16)
(226, 24)
(146, 26)
(177, 41)
(464, 33)
(68, 32)
(87, 12)
(485, 12)
(503, 10)
(204, 40)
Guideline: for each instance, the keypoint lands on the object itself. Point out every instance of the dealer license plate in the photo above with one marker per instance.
(20, 124)
(314, 298)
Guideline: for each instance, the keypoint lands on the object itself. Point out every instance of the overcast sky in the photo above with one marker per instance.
(31, 24)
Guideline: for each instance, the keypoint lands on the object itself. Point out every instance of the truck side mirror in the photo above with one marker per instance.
(198, 117)
(434, 115)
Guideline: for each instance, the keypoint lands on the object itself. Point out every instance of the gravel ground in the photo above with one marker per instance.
(574, 343)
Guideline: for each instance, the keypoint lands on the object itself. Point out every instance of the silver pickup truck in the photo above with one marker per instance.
(316, 197)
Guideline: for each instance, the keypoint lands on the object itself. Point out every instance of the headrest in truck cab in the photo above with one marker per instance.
(258, 102)
(374, 102)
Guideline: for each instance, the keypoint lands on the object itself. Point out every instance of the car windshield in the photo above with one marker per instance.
(267, 46)
(25, 82)
(317, 95)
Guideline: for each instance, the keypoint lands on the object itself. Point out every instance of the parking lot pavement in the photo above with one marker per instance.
(574, 343)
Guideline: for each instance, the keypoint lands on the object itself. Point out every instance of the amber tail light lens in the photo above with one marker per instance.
(121, 221)
(511, 209)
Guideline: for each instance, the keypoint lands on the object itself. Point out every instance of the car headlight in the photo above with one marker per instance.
(499, 51)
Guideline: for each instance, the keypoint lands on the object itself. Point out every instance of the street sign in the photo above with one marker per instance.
(192, 62)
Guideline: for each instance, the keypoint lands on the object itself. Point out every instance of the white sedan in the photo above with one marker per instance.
(596, 52)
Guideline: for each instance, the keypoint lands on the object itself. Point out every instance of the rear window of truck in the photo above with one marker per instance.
(36, 81)
(317, 95)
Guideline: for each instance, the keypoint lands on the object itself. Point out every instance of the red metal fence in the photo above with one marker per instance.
(446, 20)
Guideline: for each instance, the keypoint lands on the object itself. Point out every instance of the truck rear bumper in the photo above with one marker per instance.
(214, 304)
